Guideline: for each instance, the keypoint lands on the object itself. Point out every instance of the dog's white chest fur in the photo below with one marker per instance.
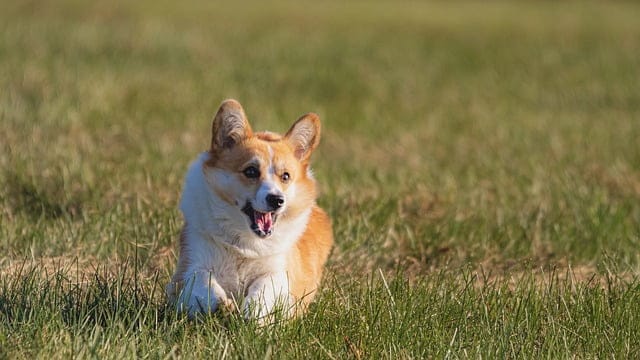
(225, 261)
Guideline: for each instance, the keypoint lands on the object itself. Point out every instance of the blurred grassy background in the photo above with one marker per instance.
(465, 135)
(452, 132)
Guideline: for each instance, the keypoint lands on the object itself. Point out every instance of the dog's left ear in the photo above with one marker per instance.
(230, 126)
(304, 135)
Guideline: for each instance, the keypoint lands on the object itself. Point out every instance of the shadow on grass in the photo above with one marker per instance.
(49, 202)
(76, 296)
(80, 296)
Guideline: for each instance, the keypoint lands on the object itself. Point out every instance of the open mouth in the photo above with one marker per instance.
(262, 223)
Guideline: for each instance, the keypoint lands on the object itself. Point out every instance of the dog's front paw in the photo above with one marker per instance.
(194, 304)
(267, 298)
(255, 308)
(228, 306)
(199, 294)
(267, 310)
(201, 304)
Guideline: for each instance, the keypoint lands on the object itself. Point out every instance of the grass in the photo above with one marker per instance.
(480, 163)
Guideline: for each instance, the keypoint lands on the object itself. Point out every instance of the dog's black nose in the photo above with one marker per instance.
(275, 201)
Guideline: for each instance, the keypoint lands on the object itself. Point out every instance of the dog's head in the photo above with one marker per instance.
(263, 177)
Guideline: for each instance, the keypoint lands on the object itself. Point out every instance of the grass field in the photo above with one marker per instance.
(480, 161)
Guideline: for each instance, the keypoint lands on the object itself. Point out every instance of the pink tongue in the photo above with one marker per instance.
(263, 220)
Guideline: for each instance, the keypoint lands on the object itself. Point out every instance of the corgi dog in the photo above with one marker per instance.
(253, 239)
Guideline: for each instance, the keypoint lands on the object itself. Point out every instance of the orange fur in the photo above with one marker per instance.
(241, 263)
(306, 260)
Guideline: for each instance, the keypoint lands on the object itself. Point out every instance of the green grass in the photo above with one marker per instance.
(480, 162)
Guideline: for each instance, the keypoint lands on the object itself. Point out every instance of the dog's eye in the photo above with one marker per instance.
(285, 177)
(251, 172)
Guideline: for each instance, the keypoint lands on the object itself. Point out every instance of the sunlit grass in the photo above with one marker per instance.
(458, 140)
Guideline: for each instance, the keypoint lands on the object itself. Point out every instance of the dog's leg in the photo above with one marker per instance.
(201, 293)
(266, 294)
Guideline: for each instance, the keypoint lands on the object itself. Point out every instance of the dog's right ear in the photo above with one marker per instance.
(230, 126)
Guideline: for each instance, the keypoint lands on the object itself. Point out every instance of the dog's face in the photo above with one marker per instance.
(264, 177)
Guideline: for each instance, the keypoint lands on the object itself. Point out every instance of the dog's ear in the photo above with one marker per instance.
(230, 126)
(304, 135)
